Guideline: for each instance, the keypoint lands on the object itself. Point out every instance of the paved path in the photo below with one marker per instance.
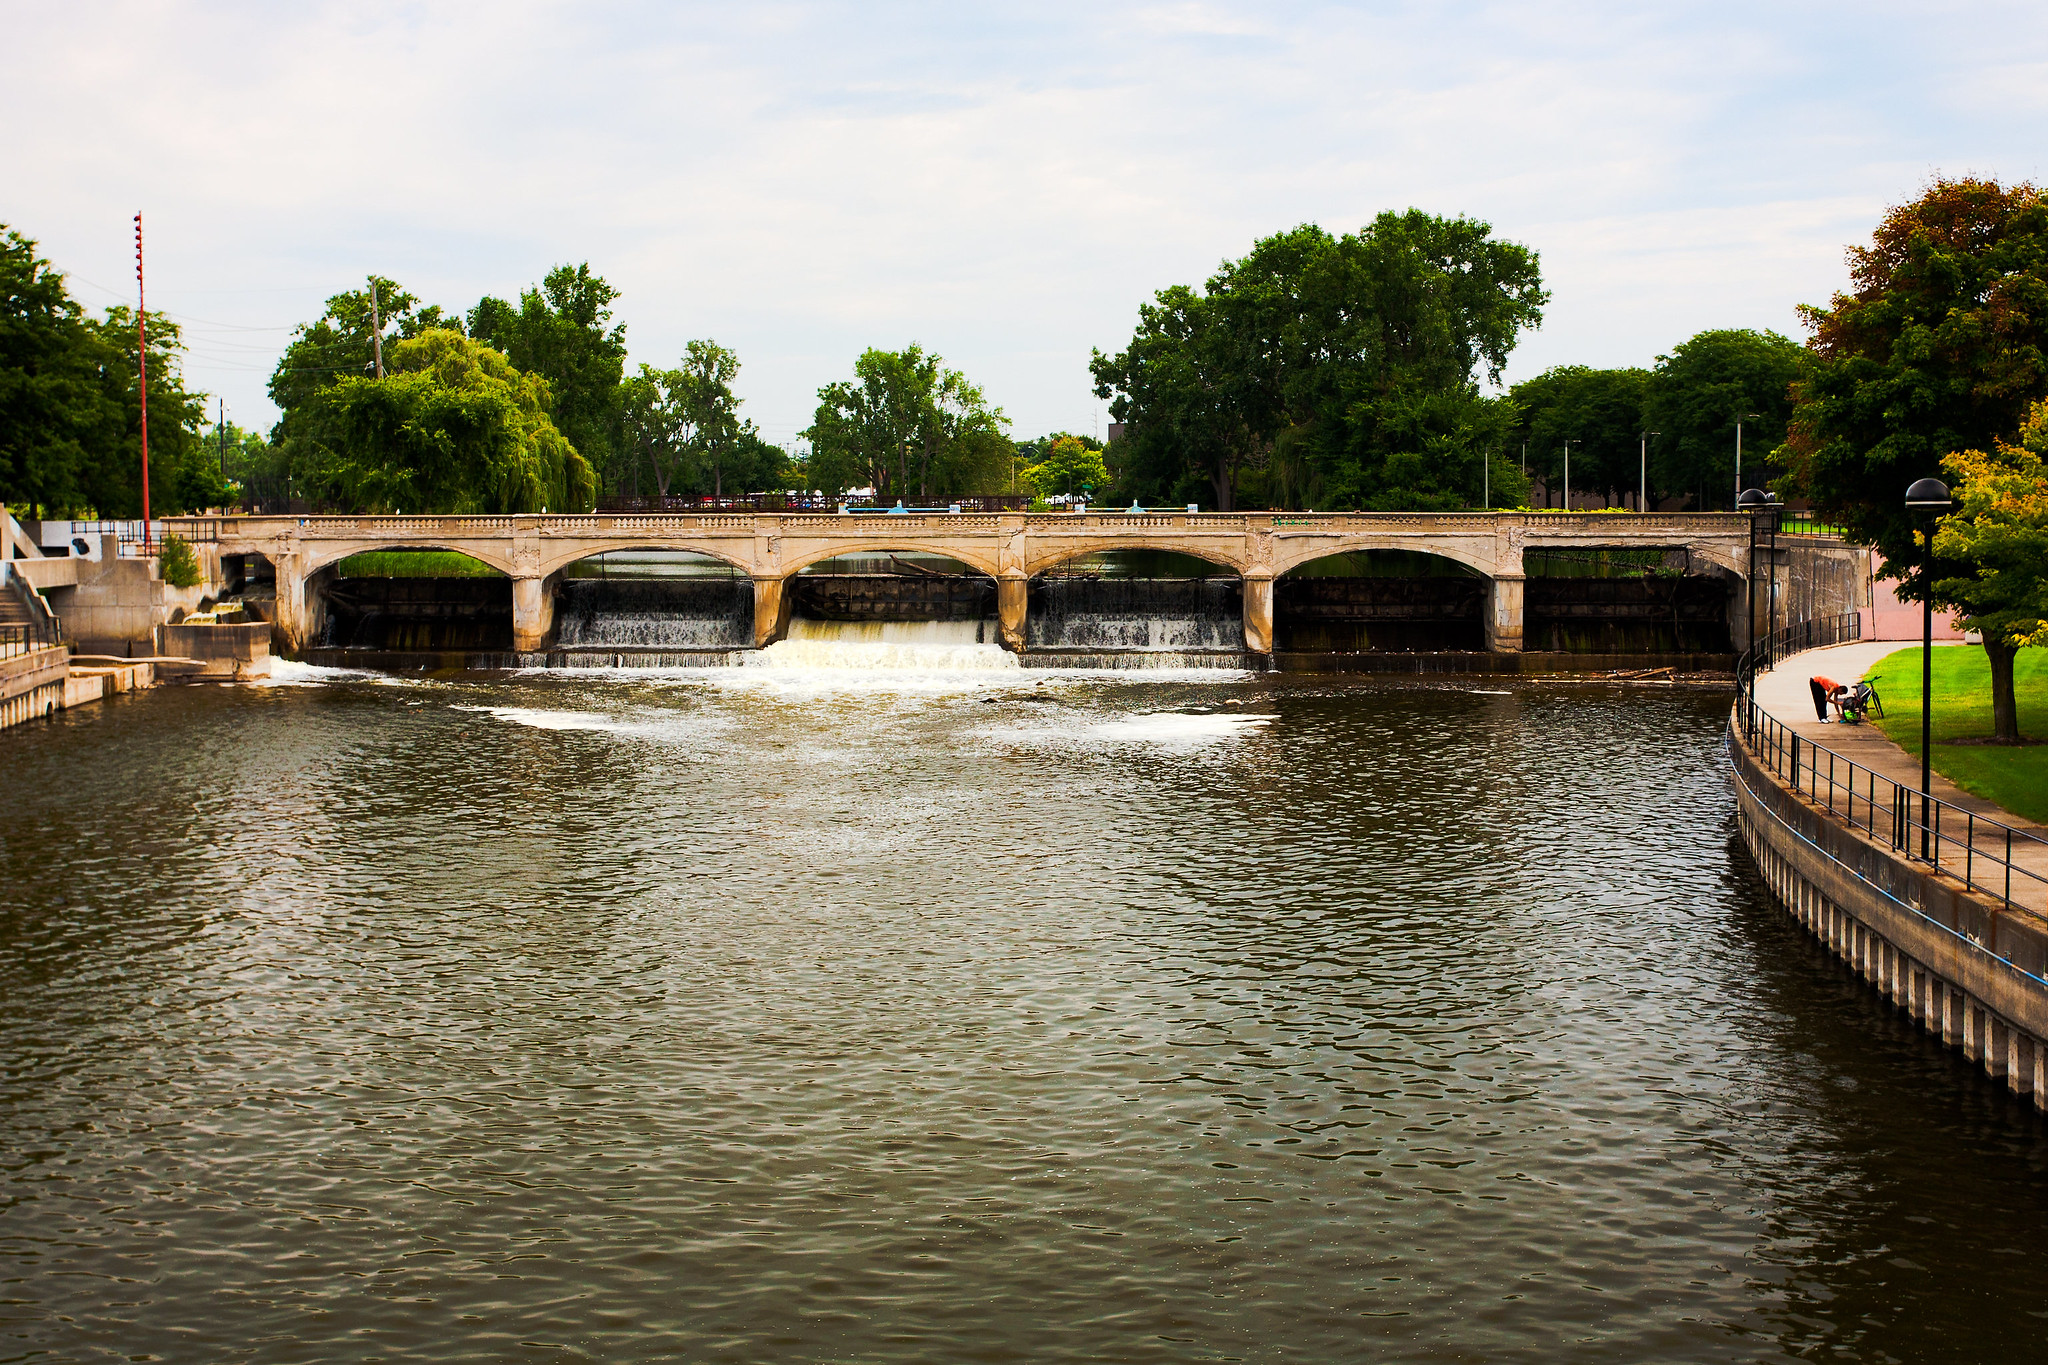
(1784, 694)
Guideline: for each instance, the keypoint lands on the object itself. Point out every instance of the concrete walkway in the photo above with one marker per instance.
(1785, 695)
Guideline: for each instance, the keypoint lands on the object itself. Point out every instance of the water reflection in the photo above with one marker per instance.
(1033, 1016)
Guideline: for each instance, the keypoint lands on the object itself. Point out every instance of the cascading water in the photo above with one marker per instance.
(1124, 622)
(655, 615)
(927, 646)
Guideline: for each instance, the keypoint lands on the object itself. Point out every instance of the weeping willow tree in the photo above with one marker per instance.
(452, 427)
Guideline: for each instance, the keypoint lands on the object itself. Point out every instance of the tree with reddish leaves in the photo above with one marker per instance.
(1941, 346)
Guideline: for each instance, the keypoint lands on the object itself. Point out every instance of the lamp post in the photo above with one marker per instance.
(1565, 505)
(1745, 417)
(1643, 498)
(1751, 501)
(1929, 496)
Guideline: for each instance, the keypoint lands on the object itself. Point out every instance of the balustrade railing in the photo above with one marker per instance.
(1980, 852)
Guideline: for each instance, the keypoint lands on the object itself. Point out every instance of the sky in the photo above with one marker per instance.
(1005, 185)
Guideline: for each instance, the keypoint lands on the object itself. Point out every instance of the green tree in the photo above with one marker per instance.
(1067, 466)
(177, 564)
(1700, 391)
(247, 456)
(559, 332)
(683, 425)
(651, 434)
(341, 343)
(909, 428)
(1941, 345)
(757, 465)
(1998, 538)
(1343, 371)
(57, 418)
(1599, 411)
(181, 476)
(454, 427)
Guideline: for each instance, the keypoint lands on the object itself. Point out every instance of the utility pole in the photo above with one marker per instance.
(1565, 505)
(1643, 498)
(142, 371)
(376, 330)
(221, 426)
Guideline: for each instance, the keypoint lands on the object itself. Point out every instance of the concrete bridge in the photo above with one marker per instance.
(1011, 548)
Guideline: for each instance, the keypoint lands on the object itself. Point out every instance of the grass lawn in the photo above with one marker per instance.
(414, 564)
(2015, 777)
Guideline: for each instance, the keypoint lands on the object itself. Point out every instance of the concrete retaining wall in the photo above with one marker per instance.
(32, 684)
(1966, 967)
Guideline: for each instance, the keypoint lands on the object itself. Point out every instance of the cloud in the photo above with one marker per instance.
(804, 180)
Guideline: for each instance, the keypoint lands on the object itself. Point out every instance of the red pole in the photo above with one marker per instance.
(142, 356)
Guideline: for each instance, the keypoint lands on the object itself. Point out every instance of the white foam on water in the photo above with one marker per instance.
(1180, 727)
(1164, 729)
(292, 673)
(680, 726)
(887, 656)
(546, 720)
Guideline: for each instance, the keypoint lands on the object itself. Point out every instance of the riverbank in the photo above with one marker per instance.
(2012, 776)
(1942, 907)
(1784, 693)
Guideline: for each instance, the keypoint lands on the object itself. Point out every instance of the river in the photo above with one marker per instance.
(961, 1013)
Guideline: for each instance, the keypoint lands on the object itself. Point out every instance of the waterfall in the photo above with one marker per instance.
(926, 646)
(1144, 615)
(657, 615)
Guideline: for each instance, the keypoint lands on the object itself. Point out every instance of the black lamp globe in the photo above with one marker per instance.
(1752, 498)
(1927, 493)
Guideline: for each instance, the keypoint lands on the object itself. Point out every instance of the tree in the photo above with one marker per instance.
(710, 411)
(1998, 534)
(71, 408)
(453, 427)
(758, 465)
(1067, 466)
(558, 332)
(340, 343)
(56, 418)
(253, 465)
(1342, 371)
(1941, 345)
(908, 428)
(1599, 411)
(181, 476)
(1700, 391)
(650, 417)
(684, 425)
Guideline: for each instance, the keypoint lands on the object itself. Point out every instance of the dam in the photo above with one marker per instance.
(1271, 589)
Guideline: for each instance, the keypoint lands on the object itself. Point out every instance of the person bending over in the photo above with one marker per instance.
(1825, 690)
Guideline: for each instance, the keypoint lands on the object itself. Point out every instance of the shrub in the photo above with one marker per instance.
(177, 563)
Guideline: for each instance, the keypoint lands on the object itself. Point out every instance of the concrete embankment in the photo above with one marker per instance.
(33, 684)
(1963, 950)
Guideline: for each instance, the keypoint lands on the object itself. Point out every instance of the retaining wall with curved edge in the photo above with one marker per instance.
(1969, 968)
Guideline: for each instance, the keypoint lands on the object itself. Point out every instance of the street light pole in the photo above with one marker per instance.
(1931, 496)
(1746, 417)
(1643, 498)
(1566, 504)
(1750, 501)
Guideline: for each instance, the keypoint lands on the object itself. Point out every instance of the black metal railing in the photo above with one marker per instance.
(1975, 849)
(1783, 643)
(39, 628)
